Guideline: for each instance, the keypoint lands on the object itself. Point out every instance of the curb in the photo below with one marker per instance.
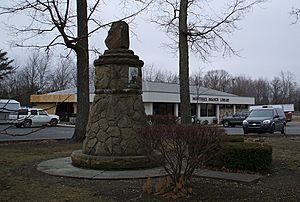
(66, 125)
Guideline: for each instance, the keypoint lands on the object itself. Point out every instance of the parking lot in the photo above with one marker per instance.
(11, 133)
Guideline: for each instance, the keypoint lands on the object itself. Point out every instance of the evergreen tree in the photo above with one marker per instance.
(5, 65)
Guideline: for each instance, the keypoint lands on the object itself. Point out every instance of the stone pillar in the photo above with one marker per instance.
(117, 114)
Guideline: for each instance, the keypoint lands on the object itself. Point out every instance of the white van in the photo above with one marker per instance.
(7, 108)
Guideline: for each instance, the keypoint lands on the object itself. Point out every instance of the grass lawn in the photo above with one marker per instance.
(20, 181)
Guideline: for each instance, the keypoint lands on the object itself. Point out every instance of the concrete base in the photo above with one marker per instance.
(63, 167)
(116, 162)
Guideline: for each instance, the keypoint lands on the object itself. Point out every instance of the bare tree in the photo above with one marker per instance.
(192, 26)
(218, 80)
(62, 76)
(242, 86)
(289, 85)
(196, 79)
(30, 79)
(69, 28)
(296, 14)
(276, 90)
(58, 16)
(283, 88)
(261, 90)
(150, 73)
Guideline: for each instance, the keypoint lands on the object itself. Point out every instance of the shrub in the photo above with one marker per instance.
(162, 119)
(235, 139)
(243, 156)
(184, 147)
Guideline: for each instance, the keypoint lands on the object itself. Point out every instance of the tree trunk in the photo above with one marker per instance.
(185, 106)
(83, 104)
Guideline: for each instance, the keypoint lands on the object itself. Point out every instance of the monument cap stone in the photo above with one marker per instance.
(118, 36)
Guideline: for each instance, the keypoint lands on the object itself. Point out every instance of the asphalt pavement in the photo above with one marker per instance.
(11, 133)
(61, 132)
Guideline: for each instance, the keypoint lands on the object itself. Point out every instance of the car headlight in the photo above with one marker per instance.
(266, 121)
(245, 122)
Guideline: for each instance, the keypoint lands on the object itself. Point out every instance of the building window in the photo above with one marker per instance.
(211, 110)
(203, 111)
(193, 109)
(163, 108)
(208, 110)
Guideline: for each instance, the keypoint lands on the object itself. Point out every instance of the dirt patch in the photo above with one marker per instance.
(20, 181)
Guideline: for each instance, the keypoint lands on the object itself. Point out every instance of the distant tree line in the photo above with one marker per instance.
(40, 73)
(282, 89)
(43, 73)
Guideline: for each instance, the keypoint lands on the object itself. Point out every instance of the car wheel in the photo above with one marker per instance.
(205, 122)
(27, 123)
(18, 125)
(53, 122)
(272, 129)
(283, 129)
(226, 124)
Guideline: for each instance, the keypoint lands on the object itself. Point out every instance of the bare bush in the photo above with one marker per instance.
(184, 147)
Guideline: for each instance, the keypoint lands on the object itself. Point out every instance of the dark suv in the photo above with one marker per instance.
(235, 119)
(265, 120)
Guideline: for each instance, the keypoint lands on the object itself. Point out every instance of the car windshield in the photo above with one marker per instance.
(261, 113)
(42, 112)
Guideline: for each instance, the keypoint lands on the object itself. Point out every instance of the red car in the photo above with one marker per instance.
(288, 116)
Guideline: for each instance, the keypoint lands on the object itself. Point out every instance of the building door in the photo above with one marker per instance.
(65, 110)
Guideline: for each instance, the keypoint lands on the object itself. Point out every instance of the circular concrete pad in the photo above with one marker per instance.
(63, 167)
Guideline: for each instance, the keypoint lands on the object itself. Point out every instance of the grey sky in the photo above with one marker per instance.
(269, 43)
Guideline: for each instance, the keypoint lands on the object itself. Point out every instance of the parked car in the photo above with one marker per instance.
(265, 120)
(235, 119)
(204, 120)
(27, 117)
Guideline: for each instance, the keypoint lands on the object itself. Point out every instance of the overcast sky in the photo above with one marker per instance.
(267, 40)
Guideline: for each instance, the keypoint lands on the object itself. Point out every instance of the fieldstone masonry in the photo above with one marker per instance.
(117, 113)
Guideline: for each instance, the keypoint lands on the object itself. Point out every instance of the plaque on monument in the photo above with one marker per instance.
(132, 75)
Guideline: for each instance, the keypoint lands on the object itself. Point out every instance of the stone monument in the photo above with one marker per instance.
(117, 114)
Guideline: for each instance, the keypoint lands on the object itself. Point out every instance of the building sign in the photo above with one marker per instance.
(211, 99)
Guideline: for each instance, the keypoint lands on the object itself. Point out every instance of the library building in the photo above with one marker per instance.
(158, 98)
